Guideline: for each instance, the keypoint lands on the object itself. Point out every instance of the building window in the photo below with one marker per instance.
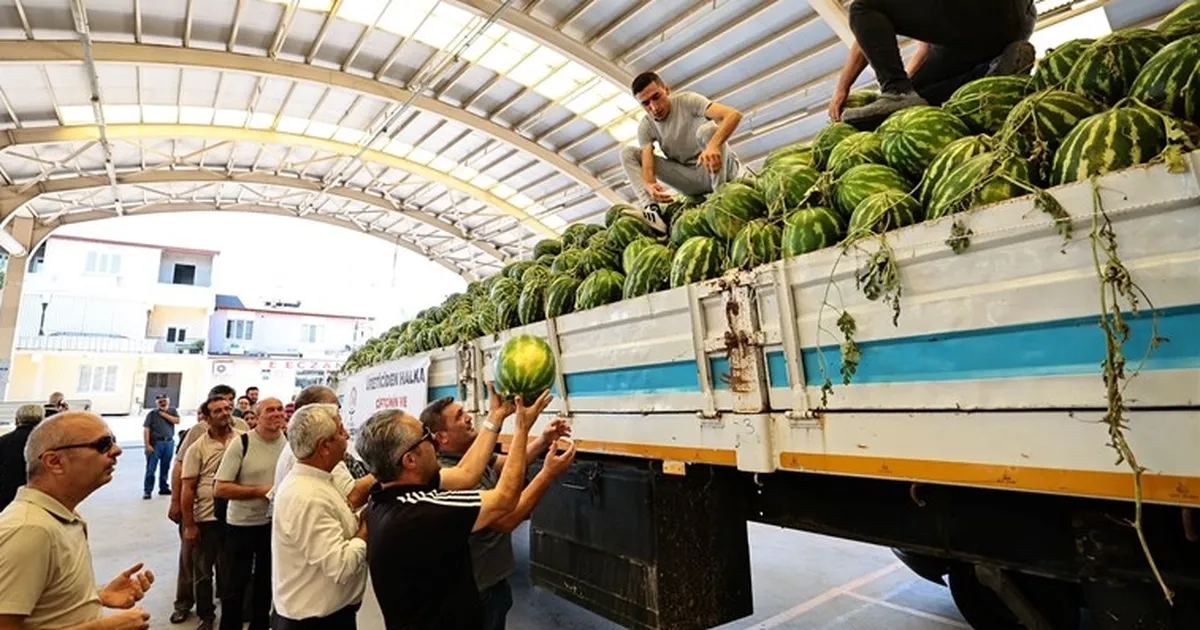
(184, 274)
(239, 329)
(310, 333)
(103, 264)
(97, 379)
(176, 335)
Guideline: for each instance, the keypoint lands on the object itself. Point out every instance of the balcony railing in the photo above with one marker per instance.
(103, 343)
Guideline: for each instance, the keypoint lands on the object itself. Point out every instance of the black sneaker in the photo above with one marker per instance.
(651, 215)
(146, 497)
(1017, 59)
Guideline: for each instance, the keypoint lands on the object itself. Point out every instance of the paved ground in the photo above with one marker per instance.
(801, 581)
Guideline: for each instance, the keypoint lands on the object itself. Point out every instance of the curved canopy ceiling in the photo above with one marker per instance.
(462, 130)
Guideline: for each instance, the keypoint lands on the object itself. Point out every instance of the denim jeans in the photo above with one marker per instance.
(160, 458)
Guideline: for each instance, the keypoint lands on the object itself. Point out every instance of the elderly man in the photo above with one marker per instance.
(491, 549)
(57, 403)
(318, 548)
(431, 585)
(202, 527)
(158, 438)
(46, 577)
(355, 490)
(12, 451)
(245, 477)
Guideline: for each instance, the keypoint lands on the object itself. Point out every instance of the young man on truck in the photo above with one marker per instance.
(693, 134)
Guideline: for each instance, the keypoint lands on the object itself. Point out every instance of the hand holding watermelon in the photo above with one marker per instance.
(527, 416)
(499, 408)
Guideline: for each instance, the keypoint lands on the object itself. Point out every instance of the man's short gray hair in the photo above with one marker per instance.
(311, 424)
(30, 414)
(382, 440)
(48, 434)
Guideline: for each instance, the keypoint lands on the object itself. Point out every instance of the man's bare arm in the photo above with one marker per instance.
(918, 58)
(168, 417)
(727, 119)
(133, 619)
(238, 492)
(467, 473)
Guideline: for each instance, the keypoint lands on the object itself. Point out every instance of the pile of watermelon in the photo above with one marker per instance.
(1091, 107)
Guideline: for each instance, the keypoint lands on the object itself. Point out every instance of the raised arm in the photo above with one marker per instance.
(856, 62)
(466, 474)
(556, 464)
(504, 499)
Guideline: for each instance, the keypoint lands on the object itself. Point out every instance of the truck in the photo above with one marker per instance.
(1009, 398)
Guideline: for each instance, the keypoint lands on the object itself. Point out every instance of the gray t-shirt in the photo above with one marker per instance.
(255, 468)
(676, 135)
(491, 551)
(160, 428)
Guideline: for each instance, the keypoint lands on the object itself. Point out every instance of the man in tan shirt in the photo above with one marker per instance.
(46, 577)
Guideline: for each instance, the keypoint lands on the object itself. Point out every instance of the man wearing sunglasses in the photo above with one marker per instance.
(430, 584)
(46, 576)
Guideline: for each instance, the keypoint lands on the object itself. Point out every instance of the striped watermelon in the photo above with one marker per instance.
(785, 186)
(984, 179)
(1106, 69)
(624, 231)
(1052, 70)
(632, 250)
(688, 224)
(809, 229)
(884, 211)
(829, 138)
(547, 247)
(516, 269)
(949, 159)
(801, 152)
(1170, 81)
(984, 103)
(576, 235)
(1037, 125)
(700, 258)
(597, 258)
(545, 260)
(860, 98)
(615, 212)
(505, 288)
(1109, 141)
(485, 317)
(731, 207)
(1183, 21)
(916, 137)
(524, 367)
(599, 239)
(560, 295)
(757, 244)
(534, 274)
(863, 181)
(602, 287)
(531, 307)
(650, 271)
(864, 147)
(568, 261)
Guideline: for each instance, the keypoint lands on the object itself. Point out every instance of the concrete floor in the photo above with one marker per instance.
(801, 581)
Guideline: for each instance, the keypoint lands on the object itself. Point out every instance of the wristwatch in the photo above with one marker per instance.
(491, 426)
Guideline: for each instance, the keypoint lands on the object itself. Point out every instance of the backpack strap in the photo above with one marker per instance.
(245, 443)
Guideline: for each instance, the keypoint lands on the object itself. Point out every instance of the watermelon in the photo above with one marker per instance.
(884, 211)
(560, 295)
(863, 181)
(632, 250)
(860, 98)
(731, 207)
(577, 234)
(916, 137)
(1107, 69)
(534, 274)
(602, 287)
(785, 186)
(948, 159)
(700, 258)
(615, 212)
(1183, 21)
(1037, 125)
(545, 260)
(524, 366)
(624, 231)
(599, 238)
(1052, 69)
(531, 307)
(984, 103)
(801, 152)
(1109, 141)
(569, 261)
(485, 317)
(1170, 81)
(864, 147)
(597, 258)
(986, 178)
(650, 271)
(757, 244)
(516, 269)
(827, 140)
(547, 247)
(809, 229)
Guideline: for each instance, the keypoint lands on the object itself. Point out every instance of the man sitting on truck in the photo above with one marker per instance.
(492, 558)
(692, 133)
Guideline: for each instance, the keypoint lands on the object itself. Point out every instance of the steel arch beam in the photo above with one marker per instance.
(12, 198)
(77, 133)
(42, 52)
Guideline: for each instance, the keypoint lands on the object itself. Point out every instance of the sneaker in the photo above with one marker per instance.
(651, 215)
(886, 105)
(1017, 59)
(146, 497)
(164, 493)
(180, 616)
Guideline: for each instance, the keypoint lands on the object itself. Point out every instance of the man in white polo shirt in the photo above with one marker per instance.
(46, 577)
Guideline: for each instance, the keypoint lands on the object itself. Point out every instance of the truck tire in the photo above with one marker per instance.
(984, 610)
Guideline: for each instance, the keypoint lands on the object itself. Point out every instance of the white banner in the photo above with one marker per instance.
(399, 384)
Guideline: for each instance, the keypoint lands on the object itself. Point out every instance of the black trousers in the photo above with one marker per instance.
(247, 563)
(344, 619)
(496, 601)
(206, 560)
(964, 36)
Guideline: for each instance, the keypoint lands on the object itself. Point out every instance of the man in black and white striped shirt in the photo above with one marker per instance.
(418, 528)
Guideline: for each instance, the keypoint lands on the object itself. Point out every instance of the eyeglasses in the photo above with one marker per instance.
(101, 445)
(425, 437)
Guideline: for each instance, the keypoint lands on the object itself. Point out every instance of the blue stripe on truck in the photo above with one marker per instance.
(443, 391)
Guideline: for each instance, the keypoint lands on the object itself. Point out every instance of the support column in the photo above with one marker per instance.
(835, 16)
(21, 229)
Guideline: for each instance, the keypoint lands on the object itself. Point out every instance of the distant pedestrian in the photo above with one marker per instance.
(252, 394)
(56, 404)
(12, 451)
(158, 437)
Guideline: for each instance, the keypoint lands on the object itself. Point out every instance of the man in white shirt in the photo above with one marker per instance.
(354, 490)
(318, 545)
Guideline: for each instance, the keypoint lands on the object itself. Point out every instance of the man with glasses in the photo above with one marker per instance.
(46, 577)
(430, 584)
(318, 545)
(158, 437)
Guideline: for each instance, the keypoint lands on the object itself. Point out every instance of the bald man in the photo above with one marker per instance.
(46, 577)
